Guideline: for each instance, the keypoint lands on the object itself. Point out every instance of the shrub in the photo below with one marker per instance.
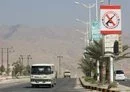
(2, 68)
(18, 68)
(113, 85)
(89, 79)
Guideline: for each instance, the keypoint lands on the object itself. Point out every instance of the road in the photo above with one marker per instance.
(125, 83)
(63, 85)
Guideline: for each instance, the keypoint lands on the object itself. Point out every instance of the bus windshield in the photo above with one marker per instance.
(41, 70)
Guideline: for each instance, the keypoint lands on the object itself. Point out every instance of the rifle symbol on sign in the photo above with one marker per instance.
(110, 20)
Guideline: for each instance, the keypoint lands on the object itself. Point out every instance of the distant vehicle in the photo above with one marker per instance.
(43, 74)
(67, 73)
(119, 75)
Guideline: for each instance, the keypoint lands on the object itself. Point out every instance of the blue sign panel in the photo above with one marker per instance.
(95, 31)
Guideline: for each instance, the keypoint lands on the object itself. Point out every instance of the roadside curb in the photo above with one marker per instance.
(98, 88)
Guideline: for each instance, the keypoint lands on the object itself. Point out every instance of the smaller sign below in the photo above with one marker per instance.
(109, 42)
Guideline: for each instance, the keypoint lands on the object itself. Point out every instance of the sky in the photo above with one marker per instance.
(49, 13)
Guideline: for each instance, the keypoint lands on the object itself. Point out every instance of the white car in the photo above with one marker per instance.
(67, 74)
(119, 75)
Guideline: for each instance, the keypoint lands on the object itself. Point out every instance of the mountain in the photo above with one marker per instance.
(45, 44)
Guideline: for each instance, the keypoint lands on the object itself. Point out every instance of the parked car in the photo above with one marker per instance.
(67, 74)
(119, 75)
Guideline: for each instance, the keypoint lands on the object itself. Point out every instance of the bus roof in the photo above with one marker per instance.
(42, 64)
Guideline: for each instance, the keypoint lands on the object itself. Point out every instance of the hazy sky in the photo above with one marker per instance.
(52, 12)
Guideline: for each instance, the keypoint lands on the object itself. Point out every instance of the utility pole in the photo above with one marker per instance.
(7, 61)
(2, 65)
(2, 56)
(28, 64)
(59, 70)
(28, 57)
(21, 59)
(8, 51)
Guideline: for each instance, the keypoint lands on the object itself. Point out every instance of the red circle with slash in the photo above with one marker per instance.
(110, 20)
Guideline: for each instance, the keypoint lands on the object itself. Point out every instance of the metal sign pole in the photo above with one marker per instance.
(109, 2)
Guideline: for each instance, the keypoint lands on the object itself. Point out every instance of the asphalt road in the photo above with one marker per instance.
(63, 85)
(125, 83)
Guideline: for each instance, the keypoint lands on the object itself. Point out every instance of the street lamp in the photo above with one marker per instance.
(96, 3)
(86, 34)
(89, 7)
(96, 7)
